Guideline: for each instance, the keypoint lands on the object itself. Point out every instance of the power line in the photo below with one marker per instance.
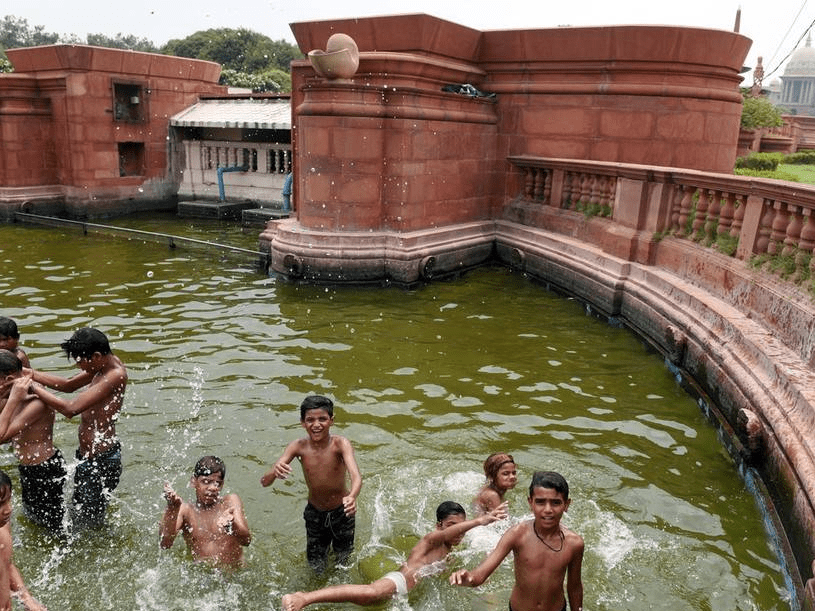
(787, 56)
(797, 15)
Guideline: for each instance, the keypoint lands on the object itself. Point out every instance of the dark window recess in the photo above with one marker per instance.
(131, 158)
(128, 102)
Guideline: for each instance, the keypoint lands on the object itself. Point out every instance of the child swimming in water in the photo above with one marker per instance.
(451, 525)
(502, 475)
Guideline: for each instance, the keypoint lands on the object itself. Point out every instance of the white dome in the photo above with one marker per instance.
(802, 62)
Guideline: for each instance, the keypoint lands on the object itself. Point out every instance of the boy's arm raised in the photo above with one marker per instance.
(480, 574)
(281, 469)
(62, 384)
(235, 523)
(106, 387)
(451, 533)
(171, 521)
(13, 419)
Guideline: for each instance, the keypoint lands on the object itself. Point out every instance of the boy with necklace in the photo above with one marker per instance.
(545, 553)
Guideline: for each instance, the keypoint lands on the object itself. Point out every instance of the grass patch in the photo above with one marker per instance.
(802, 173)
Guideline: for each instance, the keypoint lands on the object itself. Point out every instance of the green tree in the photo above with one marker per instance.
(122, 41)
(241, 49)
(760, 112)
(15, 32)
(269, 81)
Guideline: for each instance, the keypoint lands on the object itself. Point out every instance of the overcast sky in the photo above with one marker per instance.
(775, 26)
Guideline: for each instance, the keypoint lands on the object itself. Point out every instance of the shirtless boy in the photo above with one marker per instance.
(499, 468)
(29, 424)
(98, 405)
(11, 582)
(545, 553)
(10, 339)
(327, 460)
(424, 559)
(214, 527)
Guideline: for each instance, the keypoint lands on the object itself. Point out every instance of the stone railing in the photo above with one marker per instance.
(263, 157)
(736, 215)
(669, 252)
(266, 166)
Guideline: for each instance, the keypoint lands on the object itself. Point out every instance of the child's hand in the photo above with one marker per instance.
(21, 386)
(171, 496)
(226, 518)
(282, 470)
(460, 578)
(349, 504)
(499, 513)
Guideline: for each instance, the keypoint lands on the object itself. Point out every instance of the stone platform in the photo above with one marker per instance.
(257, 217)
(213, 209)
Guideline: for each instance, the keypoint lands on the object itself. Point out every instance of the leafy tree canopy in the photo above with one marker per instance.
(269, 81)
(760, 112)
(15, 32)
(241, 49)
(122, 41)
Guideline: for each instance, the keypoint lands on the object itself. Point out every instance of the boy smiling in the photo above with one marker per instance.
(327, 460)
(545, 552)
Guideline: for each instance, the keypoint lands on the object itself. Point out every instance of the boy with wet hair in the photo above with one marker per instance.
(544, 551)
(214, 527)
(11, 581)
(425, 559)
(10, 339)
(29, 424)
(327, 461)
(98, 405)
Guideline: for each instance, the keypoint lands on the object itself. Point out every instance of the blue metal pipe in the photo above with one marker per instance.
(236, 168)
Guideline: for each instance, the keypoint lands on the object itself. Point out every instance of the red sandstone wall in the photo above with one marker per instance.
(68, 136)
(387, 150)
(26, 130)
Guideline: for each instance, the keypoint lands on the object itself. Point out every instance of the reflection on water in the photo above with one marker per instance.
(428, 382)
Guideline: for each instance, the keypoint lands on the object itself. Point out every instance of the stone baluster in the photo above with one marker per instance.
(793, 231)
(566, 195)
(738, 216)
(685, 209)
(540, 174)
(676, 203)
(701, 215)
(547, 187)
(577, 186)
(764, 228)
(726, 214)
(594, 191)
(806, 245)
(529, 181)
(778, 228)
(713, 211)
(610, 192)
(585, 189)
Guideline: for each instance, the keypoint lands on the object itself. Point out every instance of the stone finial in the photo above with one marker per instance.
(676, 343)
(340, 59)
(751, 430)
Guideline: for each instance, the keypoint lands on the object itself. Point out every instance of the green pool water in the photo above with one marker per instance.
(427, 383)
